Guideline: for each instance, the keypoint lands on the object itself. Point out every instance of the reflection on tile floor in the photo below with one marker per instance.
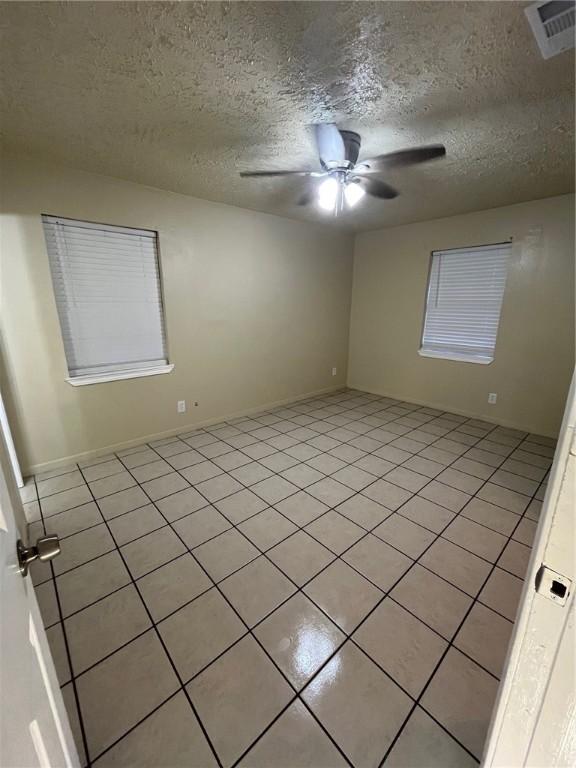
(328, 583)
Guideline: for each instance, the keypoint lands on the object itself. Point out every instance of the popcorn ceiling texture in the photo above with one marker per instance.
(182, 96)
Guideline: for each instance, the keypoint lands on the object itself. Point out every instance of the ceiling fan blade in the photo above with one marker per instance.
(331, 149)
(376, 188)
(250, 174)
(401, 158)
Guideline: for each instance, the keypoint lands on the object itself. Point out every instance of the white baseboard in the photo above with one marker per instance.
(35, 469)
(450, 409)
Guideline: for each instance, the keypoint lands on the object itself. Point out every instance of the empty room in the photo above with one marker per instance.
(287, 464)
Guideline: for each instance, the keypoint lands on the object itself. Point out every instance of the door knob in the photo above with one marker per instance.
(46, 548)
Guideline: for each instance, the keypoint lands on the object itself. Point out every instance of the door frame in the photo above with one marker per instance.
(534, 717)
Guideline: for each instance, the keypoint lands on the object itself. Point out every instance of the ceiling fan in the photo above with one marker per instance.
(345, 180)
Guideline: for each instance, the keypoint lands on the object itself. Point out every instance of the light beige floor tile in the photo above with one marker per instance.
(74, 720)
(395, 455)
(460, 480)
(354, 477)
(90, 582)
(237, 697)
(134, 524)
(58, 652)
(496, 518)
(257, 589)
(199, 632)
(60, 502)
(448, 497)
(485, 636)
(300, 557)
(515, 558)
(431, 516)
(351, 683)
(123, 501)
(225, 554)
(363, 511)
(461, 697)
(424, 466)
(335, 532)
(514, 482)
(502, 593)
(32, 511)
(267, 528)
(403, 534)
(533, 510)
(387, 494)
(477, 539)
(260, 450)
(241, 505)
(503, 497)
(201, 526)
(433, 600)
(168, 588)
(343, 594)
(164, 486)
(401, 644)
(105, 626)
(456, 565)
(181, 504)
(294, 741)
(407, 479)
(300, 638)
(139, 457)
(151, 471)
(274, 489)
(170, 736)
(83, 546)
(109, 485)
(47, 603)
(526, 469)
(28, 491)
(152, 550)
(474, 468)
(374, 465)
(218, 487)
(232, 460)
(377, 561)
(326, 464)
(74, 520)
(279, 461)
(59, 483)
(142, 672)
(251, 473)
(423, 744)
(302, 475)
(301, 508)
(102, 469)
(484, 457)
(185, 459)
(197, 473)
(57, 471)
(330, 492)
(169, 446)
(525, 532)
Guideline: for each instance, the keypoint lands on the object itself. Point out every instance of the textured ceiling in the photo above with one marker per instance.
(182, 96)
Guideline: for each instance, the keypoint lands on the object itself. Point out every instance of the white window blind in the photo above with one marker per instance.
(463, 303)
(107, 287)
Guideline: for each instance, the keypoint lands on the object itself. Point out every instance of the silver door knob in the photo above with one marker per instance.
(46, 548)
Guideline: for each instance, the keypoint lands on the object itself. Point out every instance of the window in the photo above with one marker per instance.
(463, 302)
(107, 288)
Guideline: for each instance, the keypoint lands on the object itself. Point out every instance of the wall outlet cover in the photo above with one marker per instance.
(181, 406)
(334, 371)
(492, 397)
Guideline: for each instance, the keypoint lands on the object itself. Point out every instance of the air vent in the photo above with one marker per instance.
(553, 25)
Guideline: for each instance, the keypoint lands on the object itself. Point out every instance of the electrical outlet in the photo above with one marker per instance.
(181, 407)
(334, 371)
(492, 397)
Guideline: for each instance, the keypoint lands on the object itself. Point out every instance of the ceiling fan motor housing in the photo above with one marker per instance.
(351, 145)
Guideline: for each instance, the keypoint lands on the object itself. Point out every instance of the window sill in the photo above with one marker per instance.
(457, 357)
(82, 381)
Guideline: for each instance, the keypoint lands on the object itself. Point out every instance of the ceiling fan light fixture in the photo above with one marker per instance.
(353, 193)
(328, 194)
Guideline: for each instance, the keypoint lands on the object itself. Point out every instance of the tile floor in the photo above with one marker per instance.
(328, 583)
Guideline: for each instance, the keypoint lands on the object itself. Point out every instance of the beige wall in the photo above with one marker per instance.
(535, 348)
(257, 311)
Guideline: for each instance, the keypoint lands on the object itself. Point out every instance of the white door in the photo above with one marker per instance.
(534, 720)
(34, 728)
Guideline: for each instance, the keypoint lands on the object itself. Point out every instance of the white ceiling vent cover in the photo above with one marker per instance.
(553, 25)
